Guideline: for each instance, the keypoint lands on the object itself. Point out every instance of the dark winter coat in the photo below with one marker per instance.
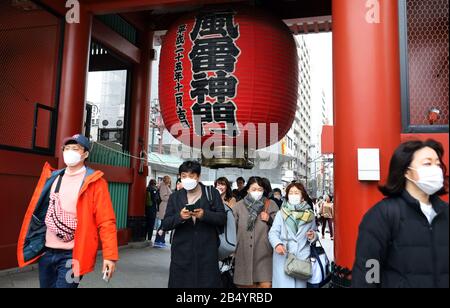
(411, 252)
(194, 255)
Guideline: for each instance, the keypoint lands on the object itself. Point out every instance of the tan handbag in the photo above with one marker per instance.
(294, 267)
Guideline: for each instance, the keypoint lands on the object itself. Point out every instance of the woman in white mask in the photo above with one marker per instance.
(292, 232)
(407, 233)
(254, 216)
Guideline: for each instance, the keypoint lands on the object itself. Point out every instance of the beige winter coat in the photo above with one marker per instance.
(164, 192)
(253, 257)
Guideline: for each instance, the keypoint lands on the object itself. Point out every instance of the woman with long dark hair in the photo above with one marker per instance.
(224, 187)
(403, 240)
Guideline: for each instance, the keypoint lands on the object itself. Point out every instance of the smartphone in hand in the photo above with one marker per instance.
(191, 207)
(106, 275)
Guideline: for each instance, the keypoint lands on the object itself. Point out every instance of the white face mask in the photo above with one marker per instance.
(295, 199)
(189, 184)
(71, 158)
(256, 195)
(431, 179)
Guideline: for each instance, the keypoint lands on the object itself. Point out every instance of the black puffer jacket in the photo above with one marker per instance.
(411, 252)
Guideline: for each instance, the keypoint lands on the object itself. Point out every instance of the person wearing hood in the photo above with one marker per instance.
(69, 212)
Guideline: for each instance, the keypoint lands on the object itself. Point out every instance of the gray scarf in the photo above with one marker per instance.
(254, 209)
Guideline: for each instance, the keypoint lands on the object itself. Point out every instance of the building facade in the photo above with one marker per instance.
(298, 138)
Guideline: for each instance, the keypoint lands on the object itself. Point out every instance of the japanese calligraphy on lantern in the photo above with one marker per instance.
(178, 76)
(224, 86)
(213, 57)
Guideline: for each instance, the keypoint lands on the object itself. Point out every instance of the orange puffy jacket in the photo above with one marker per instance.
(95, 216)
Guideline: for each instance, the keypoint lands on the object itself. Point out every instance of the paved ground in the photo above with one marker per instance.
(138, 268)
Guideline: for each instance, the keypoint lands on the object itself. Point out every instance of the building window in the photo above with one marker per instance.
(107, 95)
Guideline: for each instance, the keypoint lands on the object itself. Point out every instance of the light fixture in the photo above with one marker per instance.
(433, 115)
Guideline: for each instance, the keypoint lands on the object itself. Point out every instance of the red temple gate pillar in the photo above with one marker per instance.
(367, 107)
(77, 38)
(140, 108)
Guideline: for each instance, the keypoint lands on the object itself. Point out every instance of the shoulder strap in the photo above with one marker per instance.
(394, 217)
(266, 205)
(208, 194)
(58, 184)
(287, 235)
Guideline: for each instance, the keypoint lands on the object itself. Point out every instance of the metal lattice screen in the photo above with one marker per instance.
(428, 53)
(29, 57)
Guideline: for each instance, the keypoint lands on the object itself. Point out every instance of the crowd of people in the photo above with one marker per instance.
(270, 223)
(276, 233)
(406, 233)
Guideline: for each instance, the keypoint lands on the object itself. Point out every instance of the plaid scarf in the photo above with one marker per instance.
(296, 216)
(254, 209)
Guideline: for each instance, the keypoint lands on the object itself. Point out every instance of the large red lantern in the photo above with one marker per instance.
(230, 76)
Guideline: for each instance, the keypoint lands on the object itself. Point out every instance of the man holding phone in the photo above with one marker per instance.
(195, 220)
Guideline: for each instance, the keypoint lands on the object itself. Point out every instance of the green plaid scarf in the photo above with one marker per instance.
(295, 216)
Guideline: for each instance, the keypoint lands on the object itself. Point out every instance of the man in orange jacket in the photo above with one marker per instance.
(69, 209)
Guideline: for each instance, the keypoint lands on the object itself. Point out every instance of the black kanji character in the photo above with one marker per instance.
(179, 56)
(218, 23)
(222, 86)
(178, 67)
(180, 40)
(202, 113)
(179, 100)
(199, 87)
(181, 29)
(178, 87)
(214, 54)
(178, 76)
(226, 112)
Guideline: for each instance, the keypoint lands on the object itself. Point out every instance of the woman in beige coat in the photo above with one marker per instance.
(254, 216)
(164, 191)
